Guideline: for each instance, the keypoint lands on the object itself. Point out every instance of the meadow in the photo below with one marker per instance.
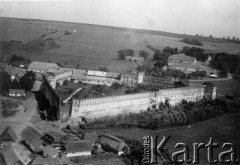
(90, 46)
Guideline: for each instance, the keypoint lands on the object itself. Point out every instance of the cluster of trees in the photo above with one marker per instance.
(197, 74)
(192, 41)
(158, 72)
(226, 63)
(170, 50)
(188, 112)
(198, 53)
(143, 54)
(122, 54)
(25, 82)
(104, 69)
(18, 58)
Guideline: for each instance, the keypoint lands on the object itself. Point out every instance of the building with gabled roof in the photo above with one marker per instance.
(78, 148)
(33, 138)
(112, 144)
(8, 135)
(96, 73)
(17, 93)
(9, 157)
(46, 161)
(181, 58)
(41, 67)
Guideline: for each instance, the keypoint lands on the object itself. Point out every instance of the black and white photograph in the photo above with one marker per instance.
(119, 82)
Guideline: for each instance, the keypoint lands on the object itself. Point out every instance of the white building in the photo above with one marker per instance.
(41, 67)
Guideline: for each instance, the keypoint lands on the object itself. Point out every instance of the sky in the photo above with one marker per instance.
(208, 17)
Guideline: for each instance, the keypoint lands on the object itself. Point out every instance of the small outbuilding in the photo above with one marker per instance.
(17, 93)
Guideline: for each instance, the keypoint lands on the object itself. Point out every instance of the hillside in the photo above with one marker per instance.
(90, 46)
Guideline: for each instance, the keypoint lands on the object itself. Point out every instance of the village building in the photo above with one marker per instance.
(91, 137)
(131, 79)
(78, 148)
(184, 63)
(99, 78)
(9, 157)
(46, 161)
(49, 151)
(7, 137)
(134, 58)
(17, 93)
(41, 67)
(113, 144)
(32, 138)
(78, 75)
(58, 76)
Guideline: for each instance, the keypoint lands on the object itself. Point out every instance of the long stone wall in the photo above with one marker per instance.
(134, 103)
(110, 106)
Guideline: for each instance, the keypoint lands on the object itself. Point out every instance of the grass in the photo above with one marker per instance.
(90, 46)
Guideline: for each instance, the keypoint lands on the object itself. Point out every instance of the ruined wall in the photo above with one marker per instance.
(53, 98)
(110, 106)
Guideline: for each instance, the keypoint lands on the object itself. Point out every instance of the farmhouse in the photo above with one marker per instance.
(41, 67)
(17, 93)
(181, 58)
(184, 63)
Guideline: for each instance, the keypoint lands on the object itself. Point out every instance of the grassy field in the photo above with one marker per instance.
(89, 46)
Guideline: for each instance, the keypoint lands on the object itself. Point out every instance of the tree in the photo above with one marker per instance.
(27, 80)
(161, 63)
(126, 52)
(144, 54)
(157, 55)
(103, 68)
(116, 86)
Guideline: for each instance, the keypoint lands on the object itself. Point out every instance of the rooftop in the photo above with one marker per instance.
(20, 91)
(57, 71)
(110, 140)
(8, 135)
(15, 71)
(77, 73)
(9, 156)
(42, 66)
(78, 146)
(182, 57)
(96, 73)
(32, 136)
(46, 161)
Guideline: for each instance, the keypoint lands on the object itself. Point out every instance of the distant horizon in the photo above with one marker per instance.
(115, 27)
(219, 18)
